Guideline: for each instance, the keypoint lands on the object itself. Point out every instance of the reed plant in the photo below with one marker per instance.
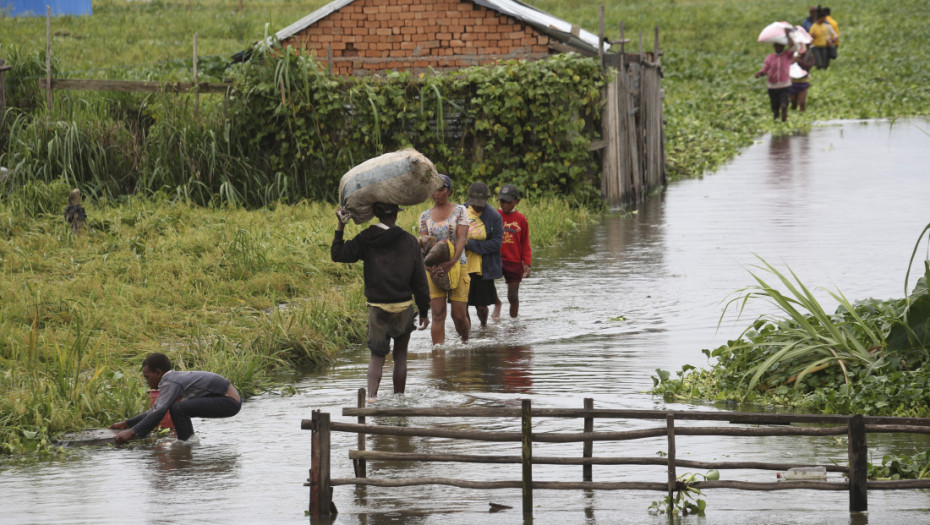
(867, 356)
(808, 338)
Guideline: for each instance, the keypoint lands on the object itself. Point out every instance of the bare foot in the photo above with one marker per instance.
(372, 400)
(496, 313)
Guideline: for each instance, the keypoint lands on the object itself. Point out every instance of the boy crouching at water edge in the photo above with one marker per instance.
(395, 279)
(184, 395)
(515, 248)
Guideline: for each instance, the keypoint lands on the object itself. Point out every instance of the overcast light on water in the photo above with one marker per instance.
(841, 206)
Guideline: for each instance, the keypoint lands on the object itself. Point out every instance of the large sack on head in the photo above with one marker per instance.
(404, 177)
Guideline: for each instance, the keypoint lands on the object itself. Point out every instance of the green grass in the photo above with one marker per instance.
(244, 293)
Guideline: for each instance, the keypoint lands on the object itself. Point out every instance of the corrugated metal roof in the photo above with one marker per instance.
(543, 22)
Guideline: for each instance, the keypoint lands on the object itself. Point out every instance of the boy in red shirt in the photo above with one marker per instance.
(515, 249)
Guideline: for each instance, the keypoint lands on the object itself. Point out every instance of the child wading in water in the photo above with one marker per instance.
(776, 68)
(515, 249)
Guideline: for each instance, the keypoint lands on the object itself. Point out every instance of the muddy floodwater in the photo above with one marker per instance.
(842, 206)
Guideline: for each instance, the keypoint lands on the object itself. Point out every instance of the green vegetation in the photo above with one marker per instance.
(248, 292)
(687, 500)
(916, 466)
(261, 147)
(868, 357)
(244, 293)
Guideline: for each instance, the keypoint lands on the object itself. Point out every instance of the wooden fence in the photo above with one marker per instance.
(633, 146)
(856, 427)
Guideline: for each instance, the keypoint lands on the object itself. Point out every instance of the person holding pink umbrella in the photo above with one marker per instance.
(776, 69)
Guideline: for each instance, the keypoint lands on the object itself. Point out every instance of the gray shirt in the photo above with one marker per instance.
(176, 386)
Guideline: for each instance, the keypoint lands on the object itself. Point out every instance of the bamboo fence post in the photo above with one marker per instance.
(672, 477)
(527, 459)
(858, 465)
(588, 447)
(48, 57)
(196, 86)
(361, 464)
(321, 492)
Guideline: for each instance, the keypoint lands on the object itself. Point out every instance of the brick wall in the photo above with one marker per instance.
(368, 36)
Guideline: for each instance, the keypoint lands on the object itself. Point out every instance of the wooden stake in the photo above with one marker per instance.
(672, 477)
(361, 464)
(321, 491)
(858, 465)
(656, 48)
(600, 36)
(3, 68)
(588, 447)
(196, 87)
(527, 456)
(622, 42)
(48, 57)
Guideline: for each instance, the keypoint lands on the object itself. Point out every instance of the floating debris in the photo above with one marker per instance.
(88, 438)
(497, 507)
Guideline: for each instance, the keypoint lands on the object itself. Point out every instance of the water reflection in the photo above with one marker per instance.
(484, 369)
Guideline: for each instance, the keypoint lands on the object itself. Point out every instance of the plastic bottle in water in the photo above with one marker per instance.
(804, 474)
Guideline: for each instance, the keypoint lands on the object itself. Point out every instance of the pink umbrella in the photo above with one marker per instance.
(774, 33)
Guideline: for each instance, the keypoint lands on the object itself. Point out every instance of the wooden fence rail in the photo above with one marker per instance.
(140, 86)
(855, 427)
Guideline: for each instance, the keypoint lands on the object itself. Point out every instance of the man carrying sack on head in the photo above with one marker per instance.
(395, 279)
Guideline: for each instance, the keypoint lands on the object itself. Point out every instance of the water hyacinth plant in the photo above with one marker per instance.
(867, 357)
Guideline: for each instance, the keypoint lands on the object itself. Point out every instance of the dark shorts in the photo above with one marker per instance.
(513, 272)
(798, 87)
(383, 326)
(482, 291)
(778, 98)
(821, 57)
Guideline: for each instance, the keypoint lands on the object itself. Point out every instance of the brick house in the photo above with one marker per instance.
(363, 37)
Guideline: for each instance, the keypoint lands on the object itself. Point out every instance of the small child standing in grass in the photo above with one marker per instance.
(515, 249)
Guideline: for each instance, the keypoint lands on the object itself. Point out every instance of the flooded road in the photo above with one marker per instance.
(841, 206)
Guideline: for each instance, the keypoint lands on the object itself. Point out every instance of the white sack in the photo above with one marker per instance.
(405, 178)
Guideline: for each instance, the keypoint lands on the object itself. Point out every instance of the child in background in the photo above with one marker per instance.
(515, 249)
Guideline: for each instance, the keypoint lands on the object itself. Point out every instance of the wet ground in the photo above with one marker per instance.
(841, 206)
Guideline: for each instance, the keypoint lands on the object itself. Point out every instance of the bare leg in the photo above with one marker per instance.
(374, 374)
(496, 314)
(437, 329)
(794, 101)
(400, 363)
(513, 297)
(802, 100)
(784, 112)
(461, 320)
(482, 314)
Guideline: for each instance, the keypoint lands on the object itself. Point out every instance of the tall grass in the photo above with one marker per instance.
(808, 338)
(243, 293)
